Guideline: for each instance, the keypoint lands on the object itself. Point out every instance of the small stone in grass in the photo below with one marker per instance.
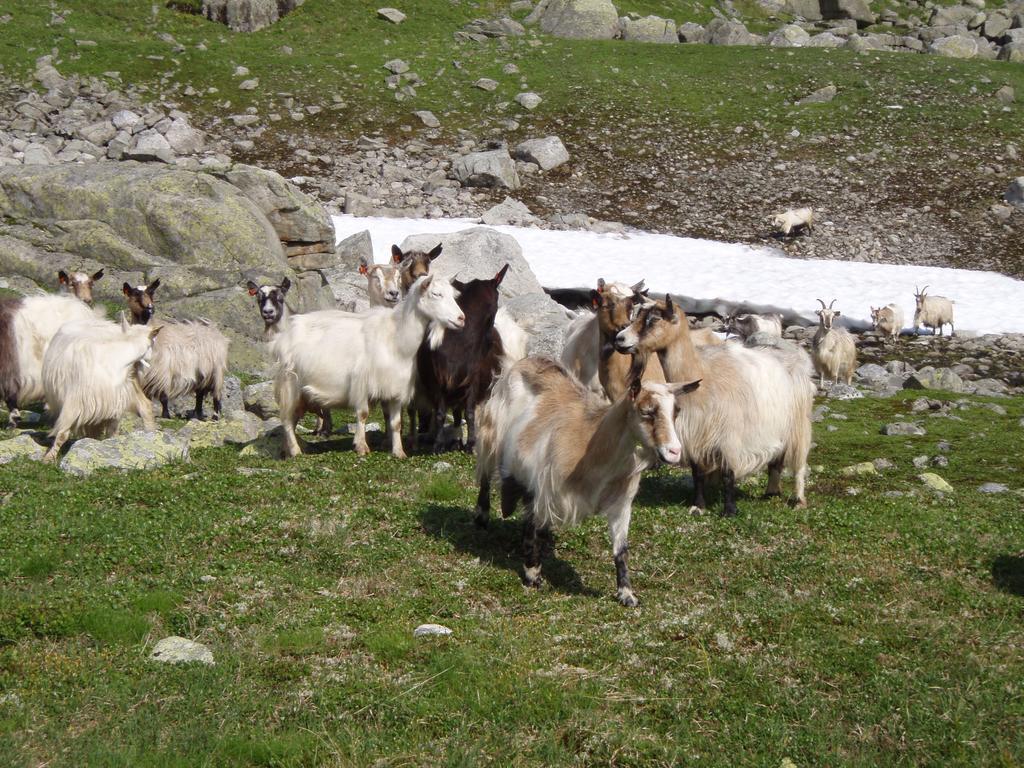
(430, 629)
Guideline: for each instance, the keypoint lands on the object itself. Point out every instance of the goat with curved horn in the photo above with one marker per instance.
(822, 304)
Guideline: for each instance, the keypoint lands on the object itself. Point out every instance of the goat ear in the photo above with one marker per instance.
(600, 285)
(154, 331)
(435, 252)
(596, 299)
(639, 287)
(636, 382)
(285, 285)
(151, 288)
(126, 290)
(252, 288)
(681, 389)
(97, 275)
(62, 277)
(837, 312)
(500, 276)
(396, 254)
(670, 307)
(458, 285)
(426, 283)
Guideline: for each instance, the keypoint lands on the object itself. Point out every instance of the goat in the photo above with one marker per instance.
(78, 284)
(614, 314)
(747, 324)
(90, 377)
(26, 327)
(888, 320)
(833, 348)
(413, 265)
(270, 300)
(793, 220)
(932, 312)
(457, 372)
(753, 408)
(383, 283)
(336, 359)
(188, 356)
(555, 445)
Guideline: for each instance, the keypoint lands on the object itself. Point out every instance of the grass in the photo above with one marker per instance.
(881, 626)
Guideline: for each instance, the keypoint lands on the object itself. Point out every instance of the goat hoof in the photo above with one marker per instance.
(798, 503)
(627, 598)
(695, 510)
(399, 454)
(771, 495)
(481, 520)
(532, 577)
(362, 450)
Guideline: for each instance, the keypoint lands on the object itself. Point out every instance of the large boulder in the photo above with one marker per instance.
(22, 446)
(810, 10)
(1012, 52)
(547, 153)
(544, 321)
(723, 32)
(955, 47)
(584, 19)
(138, 450)
(789, 36)
(951, 15)
(248, 15)
(649, 29)
(491, 168)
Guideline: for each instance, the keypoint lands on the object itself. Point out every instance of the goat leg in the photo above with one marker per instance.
(440, 410)
(774, 478)
(618, 532)
(482, 513)
(531, 551)
(414, 440)
(394, 413)
(511, 492)
(699, 479)
(165, 412)
(200, 396)
(470, 423)
(729, 492)
(360, 439)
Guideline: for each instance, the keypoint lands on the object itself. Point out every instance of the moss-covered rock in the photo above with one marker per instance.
(21, 446)
(138, 450)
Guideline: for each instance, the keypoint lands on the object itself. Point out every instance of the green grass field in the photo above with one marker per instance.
(881, 626)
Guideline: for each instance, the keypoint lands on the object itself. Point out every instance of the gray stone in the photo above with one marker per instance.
(184, 139)
(935, 482)
(486, 84)
(955, 47)
(98, 133)
(544, 321)
(920, 462)
(38, 154)
(951, 15)
(492, 168)
(125, 119)
(992, 488)
(883, 464)
(944, 379)
(722, 32)
(691, 32)
(396, 66)
(248, 15)
(649, 29)
(150, 145)
(393, 15)
(581, 19)
(259, 399)
(872, 373)
(820, 96)
(1013, 51)
(1015, 192)
(427, 118)
(863, 468)
(355, 249)
(996, 25)
(548, 152)
(249, 85)
(528, 100)
(858, 10)
(137, 450)
(810, 10)
(903, 428)
(239, 427)
(789, 36)
(825, 40)
(841, 391)
(21, 446)
(179, 650)
(425, 630)
(1005, 95)
(511, 212)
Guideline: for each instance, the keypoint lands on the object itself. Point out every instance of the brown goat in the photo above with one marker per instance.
(140, 301)
(413, 265)
(613, 314)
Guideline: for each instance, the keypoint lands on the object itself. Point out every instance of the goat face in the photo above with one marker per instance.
(919, 297)
(382, 284)
(614, 313)
(414, 264)
(437, 302)
(270, 299)
(653, 328)
(826, 316)
(79, 284)
(140, 301)
(655, 410)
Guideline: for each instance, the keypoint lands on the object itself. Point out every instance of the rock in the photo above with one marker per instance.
(396, 66)
(259, 399)
(992, 488)
(478, 253)
(501, 27)
(809, 10)
(424, 630)
(249, 85)
(649, 29)
(528, 100)
(393, 15)
(691, 32)
(1005, 95)
(944, 379)
(935, 482)
(883, 464)
(825, 40)
(951, 15)
(427, 118)
(268, 446)
(38, 154)
(99, 133)
(790, 36)
(996, 25)
(150, 145)
(857, 10)
(903, 428)
(820, 96)
(184, 139)
(547, 153)
(1015, 193)
(511, 212)
(1013, 51)
(248, 15)
(871, 373)
(138, 450)
(722, 32)
(581, 19)
(955, 47)
(863, 468)
(486, 84)
(21, 446)
(842, 391)
(355, 249)
(544, 321)
(491, 168)
(238, 427)
(179, 650)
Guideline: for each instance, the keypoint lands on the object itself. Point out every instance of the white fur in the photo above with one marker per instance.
(833, 349)
(187, 357)
(792, 219)
(888, 320)
(383, 285)
(933, 312)
(746, 325)
(335, 359)
(514, 340)
(90, 378)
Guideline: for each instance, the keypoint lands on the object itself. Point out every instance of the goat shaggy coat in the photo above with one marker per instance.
(188, 356)
(90, 378)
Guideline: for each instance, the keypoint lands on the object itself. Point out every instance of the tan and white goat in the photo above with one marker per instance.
(752, 410)
(793, 220)
(932, 311)
(383, 283)
(78, 284)
(568, 455)
(91, 377)
(833, 348)
(888, 321)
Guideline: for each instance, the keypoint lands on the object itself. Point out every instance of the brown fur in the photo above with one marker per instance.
(10, 375)
(413, 265)
(614, 314)
(140, 301)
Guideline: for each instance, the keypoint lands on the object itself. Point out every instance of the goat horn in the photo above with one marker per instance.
(923, 290)
(638, 286)
(831, 303)
(822, 304)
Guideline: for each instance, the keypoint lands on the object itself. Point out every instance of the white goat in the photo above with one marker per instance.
(792, 220)
(752, 410)
(514, 340)
(90, 377)
(747, 324)
(26, 327)
(189, 356)
(383, 283)
(333, 359)
(888, 320)
(834, 350)
(569, 456)
(932, 311)
(78, 284)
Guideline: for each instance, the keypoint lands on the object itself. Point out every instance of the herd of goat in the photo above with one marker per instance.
(635, 386)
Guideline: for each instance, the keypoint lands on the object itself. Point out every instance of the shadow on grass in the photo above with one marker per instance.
(498, 545)
(1008, 574)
